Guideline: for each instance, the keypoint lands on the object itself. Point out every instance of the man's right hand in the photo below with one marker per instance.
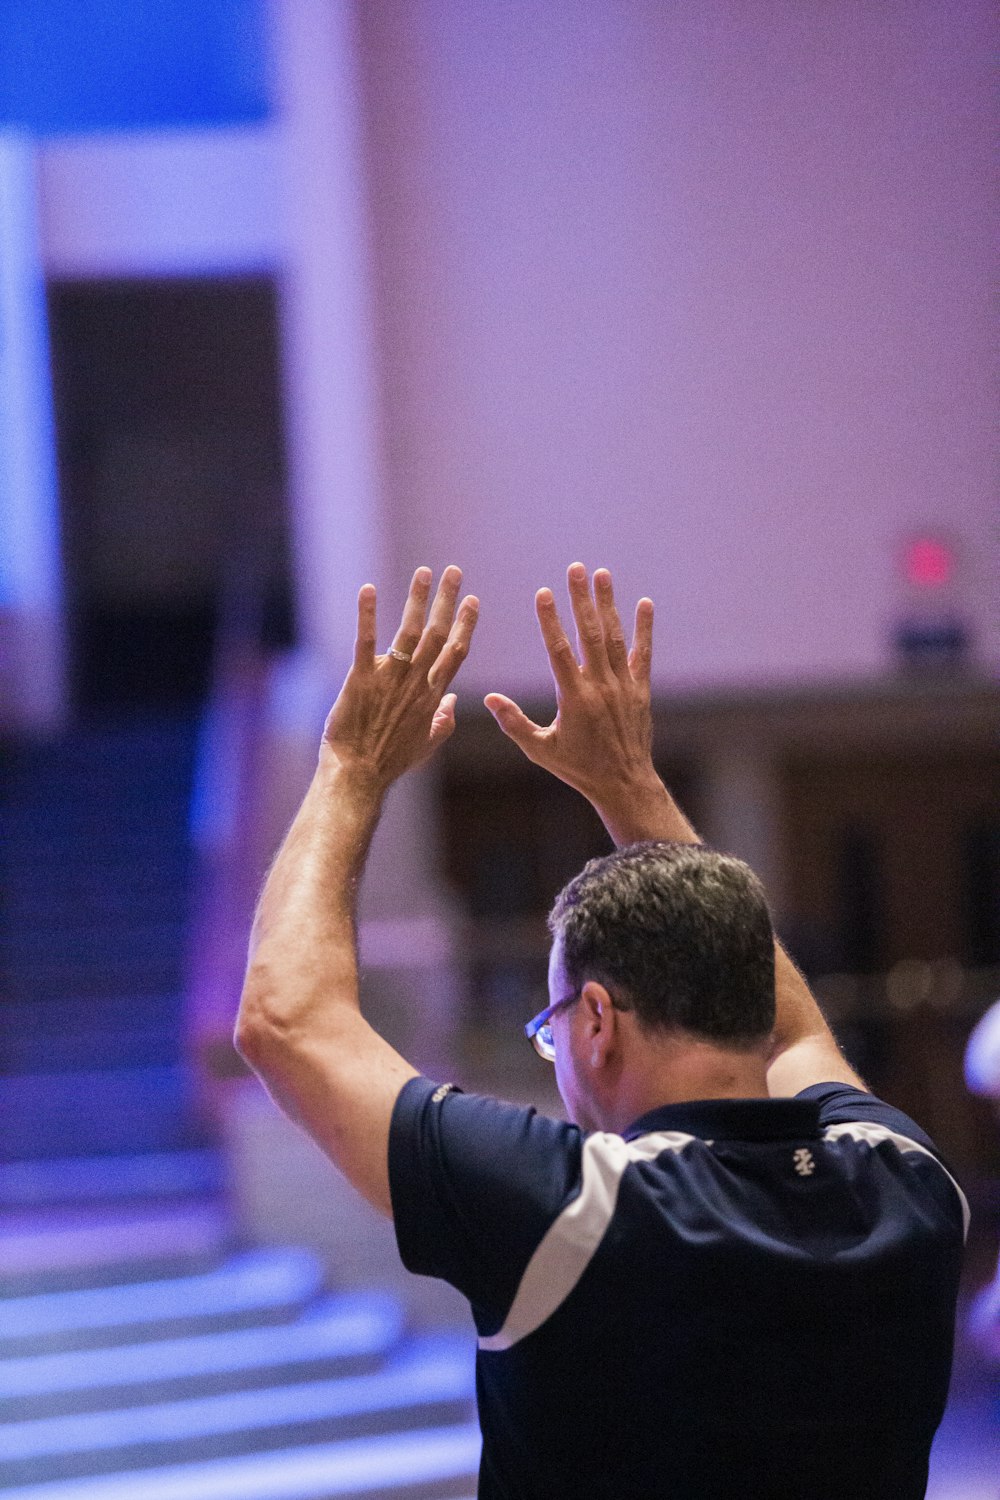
(600, 741)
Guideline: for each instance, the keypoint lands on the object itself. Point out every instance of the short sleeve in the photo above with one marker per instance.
(840, 1104)
(475, 1184)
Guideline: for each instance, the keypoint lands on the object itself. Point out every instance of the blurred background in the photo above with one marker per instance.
(298, 294)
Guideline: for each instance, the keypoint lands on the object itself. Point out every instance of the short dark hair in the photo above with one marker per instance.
(677, 933)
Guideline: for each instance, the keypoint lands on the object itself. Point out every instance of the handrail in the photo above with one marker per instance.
(222, 826)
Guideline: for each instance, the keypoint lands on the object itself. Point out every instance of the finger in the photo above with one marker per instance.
(443, 723)
(614, 635)
(441, 617)
(512, 720)
(641, 656)
(562, 658)
(364, 641)
(411, 625)
(589, 634)
(456, 648)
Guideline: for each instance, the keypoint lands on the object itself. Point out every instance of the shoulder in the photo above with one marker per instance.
(852, 1116)
(841, 1104)
(475, 1184)
(474, 1132)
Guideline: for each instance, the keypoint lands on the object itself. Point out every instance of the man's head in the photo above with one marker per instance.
(678, 939)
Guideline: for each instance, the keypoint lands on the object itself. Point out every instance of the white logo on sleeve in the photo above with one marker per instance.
(804, 1164)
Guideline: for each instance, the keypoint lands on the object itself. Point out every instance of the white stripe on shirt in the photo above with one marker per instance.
(570, 1241)
(874, 1135)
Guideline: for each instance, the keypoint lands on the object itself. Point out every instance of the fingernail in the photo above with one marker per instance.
(577, 571)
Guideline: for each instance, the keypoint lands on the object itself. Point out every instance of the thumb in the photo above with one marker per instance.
(512, 720)
(443, 723)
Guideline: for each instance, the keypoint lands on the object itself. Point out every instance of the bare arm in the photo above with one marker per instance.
(300, 1026)
(600, 743)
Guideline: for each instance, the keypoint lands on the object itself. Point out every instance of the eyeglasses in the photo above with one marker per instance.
(539, 1032)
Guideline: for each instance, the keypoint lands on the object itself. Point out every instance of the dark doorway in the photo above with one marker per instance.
(172, 477)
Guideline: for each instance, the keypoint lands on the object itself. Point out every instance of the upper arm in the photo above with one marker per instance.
(476, 1183)
(810, 1060)
(341, 1087)
(804, 1049)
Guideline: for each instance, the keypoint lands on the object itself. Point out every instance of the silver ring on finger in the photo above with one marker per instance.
(405, 656)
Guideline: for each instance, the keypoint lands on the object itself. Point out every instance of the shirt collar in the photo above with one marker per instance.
(733, 1119)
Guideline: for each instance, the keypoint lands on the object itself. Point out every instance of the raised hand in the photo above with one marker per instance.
(600, 740)
(393, 711)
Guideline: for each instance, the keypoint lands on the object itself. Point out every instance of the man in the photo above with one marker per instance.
(734, 1273)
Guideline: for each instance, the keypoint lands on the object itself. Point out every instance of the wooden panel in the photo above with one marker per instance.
(910, 828)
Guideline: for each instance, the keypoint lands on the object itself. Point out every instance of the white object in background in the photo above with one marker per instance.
(162, 203)
(982, 1055)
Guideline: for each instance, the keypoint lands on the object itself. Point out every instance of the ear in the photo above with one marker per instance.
(600, 1022)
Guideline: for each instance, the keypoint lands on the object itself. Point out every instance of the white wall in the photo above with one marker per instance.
(163, 203)
(698, 291)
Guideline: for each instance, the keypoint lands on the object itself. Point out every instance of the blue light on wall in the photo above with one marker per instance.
(70, 66)
(29, 509)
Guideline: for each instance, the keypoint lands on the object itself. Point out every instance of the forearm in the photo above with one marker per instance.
(302, 970)
(639, 808)
(600, 743)
(300, 1025)
(645, 809)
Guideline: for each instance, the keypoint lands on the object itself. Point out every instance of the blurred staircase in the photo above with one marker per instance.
(94, 879)
(238, 1380)
(144, 1354)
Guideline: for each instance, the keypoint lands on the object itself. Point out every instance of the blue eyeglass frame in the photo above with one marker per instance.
(539, 1032)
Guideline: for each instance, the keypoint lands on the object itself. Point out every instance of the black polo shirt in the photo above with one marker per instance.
(747, 1298)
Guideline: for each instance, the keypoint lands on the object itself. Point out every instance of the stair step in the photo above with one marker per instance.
(96, 866)
(100, 744)
(93, 936)
(38, 982)
(409, 1464)
(57, 1015)
(93, 1050)
(72, 898)
(53, 1247)
(91, 1036)
(430, 1382)
(98, 812)
(94, 798)
(349, 1332)
(101, 833)
(259, 1285)
(100, 874)
(95, 1113)
(87, 1179)
(106, 944)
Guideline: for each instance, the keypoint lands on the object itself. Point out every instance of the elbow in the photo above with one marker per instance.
(246, 1039)
(256, 1038)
